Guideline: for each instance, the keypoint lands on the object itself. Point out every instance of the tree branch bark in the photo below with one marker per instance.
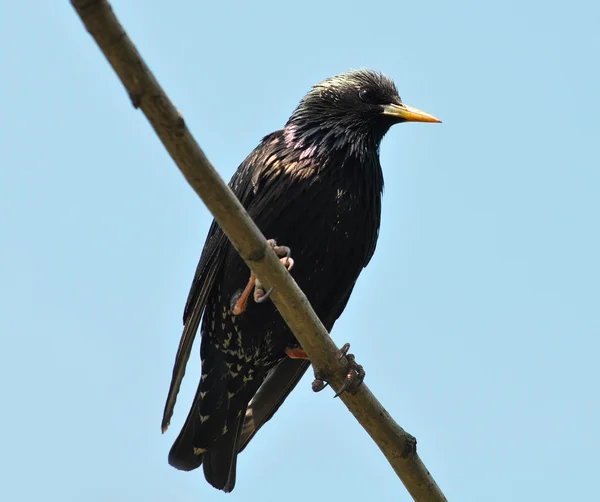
(145, 92)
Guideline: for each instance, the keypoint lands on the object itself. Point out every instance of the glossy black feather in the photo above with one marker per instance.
(316, 187)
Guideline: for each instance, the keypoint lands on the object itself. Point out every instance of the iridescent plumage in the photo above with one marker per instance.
(316, 187)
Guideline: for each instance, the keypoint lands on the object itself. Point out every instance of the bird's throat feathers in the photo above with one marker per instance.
(332, 143)
(328, 152)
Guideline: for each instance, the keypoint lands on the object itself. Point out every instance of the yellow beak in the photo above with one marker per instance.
(408, 113)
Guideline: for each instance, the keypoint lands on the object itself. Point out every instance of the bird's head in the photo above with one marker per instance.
(353, 109)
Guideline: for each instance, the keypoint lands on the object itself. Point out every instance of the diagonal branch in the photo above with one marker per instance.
(397, 445)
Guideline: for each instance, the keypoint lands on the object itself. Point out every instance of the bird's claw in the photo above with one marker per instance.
(260, 295)
(281, 251)
(284, 252)
(318, 384)
(354, 377)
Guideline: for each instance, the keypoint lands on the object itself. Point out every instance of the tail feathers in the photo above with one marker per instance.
(221, 459)
(206, 419)
(186, 454)
(211, 433)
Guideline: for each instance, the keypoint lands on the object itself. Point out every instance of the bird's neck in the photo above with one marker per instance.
(326, 144)
(352, 159)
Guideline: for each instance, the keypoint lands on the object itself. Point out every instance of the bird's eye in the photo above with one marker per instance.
(368, 96)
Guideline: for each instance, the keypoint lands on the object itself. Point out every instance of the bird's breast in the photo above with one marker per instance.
(328, 225)
(328, 229)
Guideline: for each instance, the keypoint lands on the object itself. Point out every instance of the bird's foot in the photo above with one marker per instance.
(319, 383)
(284, 252)
(260, 295)
(356, 373)
(354, 377)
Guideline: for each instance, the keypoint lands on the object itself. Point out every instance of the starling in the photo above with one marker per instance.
(315, 188)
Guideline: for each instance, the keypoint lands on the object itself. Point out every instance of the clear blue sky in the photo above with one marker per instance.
(478, 320)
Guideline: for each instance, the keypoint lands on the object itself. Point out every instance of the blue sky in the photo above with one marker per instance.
(478, 320)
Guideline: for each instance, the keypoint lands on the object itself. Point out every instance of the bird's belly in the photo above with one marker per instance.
(327, 248)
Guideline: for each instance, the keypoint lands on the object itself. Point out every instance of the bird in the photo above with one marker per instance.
(314, 188)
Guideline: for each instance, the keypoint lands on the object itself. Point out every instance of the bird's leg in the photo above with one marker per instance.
(242, 301)
(354, 377)
(299, 353)
(260, 295)
(284, 252)
(296, 353)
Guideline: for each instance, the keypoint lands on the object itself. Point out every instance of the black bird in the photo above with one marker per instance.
(315, 186)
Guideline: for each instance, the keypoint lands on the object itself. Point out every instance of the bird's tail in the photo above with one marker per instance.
(211, 433)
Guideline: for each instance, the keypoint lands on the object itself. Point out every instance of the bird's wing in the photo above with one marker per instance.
(204, 279)
(280, 381)
(209, 267)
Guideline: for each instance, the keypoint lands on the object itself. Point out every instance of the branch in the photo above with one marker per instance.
(397, 445)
